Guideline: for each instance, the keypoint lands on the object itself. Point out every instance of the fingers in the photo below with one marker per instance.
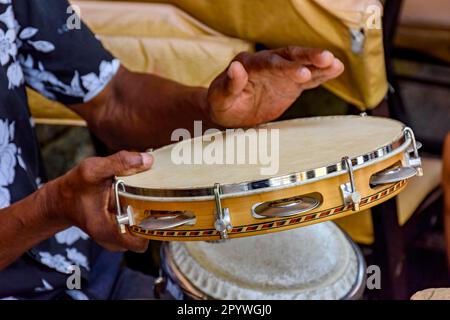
(307, 76)
(227, 87)
(307, 56)
(268, 63)
(122, 163)
(301, 65)
(293, 63)
(132, 243)
(106, 233)
(138, 245)
(322, 64)
(126, 163)
(111, 247)
(320, 76)
(237, 78)
(294, 71)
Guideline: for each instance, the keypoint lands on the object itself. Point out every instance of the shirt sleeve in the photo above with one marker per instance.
(60, 57)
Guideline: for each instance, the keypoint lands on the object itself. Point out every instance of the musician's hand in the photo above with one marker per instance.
(84, 197)
(259, 87)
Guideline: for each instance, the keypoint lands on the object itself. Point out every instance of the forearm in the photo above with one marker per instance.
(26, 223)
(140, 111)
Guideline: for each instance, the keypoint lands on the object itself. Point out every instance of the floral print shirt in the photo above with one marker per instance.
(39, 49)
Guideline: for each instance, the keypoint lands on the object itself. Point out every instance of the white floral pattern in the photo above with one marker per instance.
(20, 159)
(15, 75)
(42, 46)
(45, 286)
(42, 80)
(8, 161)
(64, 264)
(8, 18)
(36, 51)
(57, 262)
(70, 236)
(38, 182)
(45, 81)
(5, 197)
(8, 152)
(77, 295)
(35, 74)
(9, 48)
(95, 83)
(28, 33)
(77, 258)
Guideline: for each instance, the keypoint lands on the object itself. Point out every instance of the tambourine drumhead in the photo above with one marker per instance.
(315, 262)
(303, 144)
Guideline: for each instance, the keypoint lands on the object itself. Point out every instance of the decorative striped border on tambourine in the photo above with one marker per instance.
(270, 225)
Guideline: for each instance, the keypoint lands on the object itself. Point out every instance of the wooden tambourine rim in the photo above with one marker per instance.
(271, 225)
(245, 225)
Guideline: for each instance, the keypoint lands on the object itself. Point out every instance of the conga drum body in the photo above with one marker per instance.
(318, 262)
(329, 167)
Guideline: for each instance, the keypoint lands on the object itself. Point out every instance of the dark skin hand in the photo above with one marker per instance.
(258, 88)
(83, 198)
(139, 111)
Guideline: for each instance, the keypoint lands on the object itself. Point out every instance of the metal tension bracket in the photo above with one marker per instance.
(223, 219)
(349, 193)
(412, 157)
(122, 219)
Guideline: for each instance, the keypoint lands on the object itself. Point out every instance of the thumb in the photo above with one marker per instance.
(237, 78)
(125, 163)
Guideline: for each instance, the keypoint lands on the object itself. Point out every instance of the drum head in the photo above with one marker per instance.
(315, 262)
(304, 144)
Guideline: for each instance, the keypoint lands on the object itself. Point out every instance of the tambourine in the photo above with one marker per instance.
(328, 168)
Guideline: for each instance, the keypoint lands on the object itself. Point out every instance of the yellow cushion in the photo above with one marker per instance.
(190, 61)
(140, 19)
(150, 38)
(360, 226)
(312, 23)
(45, 111)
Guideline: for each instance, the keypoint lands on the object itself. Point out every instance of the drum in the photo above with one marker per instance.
(318, 262)
(328, 167)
